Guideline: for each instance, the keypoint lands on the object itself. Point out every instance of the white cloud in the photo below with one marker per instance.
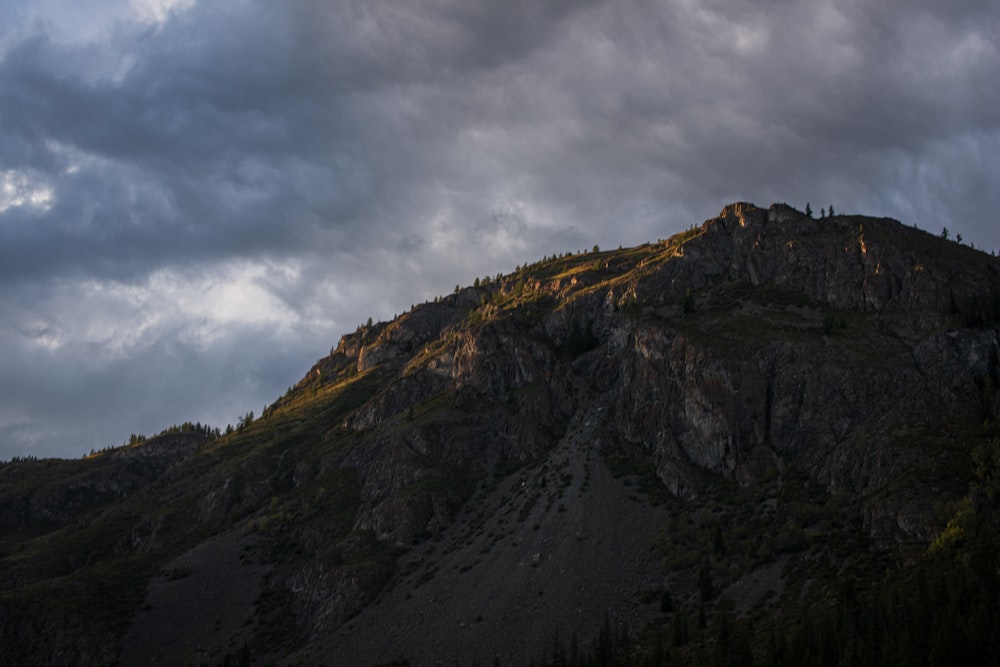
(75, 22)
(240, 294)
(112, 321)
(19, 188)
(158, 11)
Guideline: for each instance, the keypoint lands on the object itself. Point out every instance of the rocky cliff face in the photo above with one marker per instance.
(822, 373)
(809, 343)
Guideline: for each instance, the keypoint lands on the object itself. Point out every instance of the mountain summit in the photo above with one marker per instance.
(688, 450)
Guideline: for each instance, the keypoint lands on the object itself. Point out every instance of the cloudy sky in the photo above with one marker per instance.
(198, 198)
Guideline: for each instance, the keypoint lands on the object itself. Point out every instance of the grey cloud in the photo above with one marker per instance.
(383, 151)
(61, 403)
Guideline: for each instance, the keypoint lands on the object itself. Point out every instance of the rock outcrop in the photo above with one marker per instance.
(810, 343)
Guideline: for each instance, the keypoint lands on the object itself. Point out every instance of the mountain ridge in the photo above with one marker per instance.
(806, 379)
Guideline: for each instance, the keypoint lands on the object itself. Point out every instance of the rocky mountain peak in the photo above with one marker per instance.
(753, 392)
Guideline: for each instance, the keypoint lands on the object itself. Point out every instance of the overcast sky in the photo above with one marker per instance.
(198, 198)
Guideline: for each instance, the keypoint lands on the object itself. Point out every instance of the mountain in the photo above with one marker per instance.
(736, 442)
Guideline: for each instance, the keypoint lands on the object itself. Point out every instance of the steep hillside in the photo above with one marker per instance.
(737, 422)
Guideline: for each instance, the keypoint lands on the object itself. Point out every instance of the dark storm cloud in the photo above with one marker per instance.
(242, 131)
(263, 176)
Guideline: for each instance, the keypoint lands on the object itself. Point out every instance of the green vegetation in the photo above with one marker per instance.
(529, 293)
(97, 567)
(942, 609)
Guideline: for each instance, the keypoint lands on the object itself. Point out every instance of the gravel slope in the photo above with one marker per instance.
(548, 550)
(201, 602)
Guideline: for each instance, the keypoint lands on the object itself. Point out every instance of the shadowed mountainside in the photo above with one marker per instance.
(736, 423)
